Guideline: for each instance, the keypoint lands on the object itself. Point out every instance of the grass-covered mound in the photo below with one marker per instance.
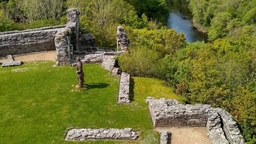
(39, 104)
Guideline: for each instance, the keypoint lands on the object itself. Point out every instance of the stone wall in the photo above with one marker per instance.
(170, 113)
(124, 88)
(108, 62)
(102, 133)
(66, 40)
(215, 131)
(164, 137)
(27, 41)
(222, 129)
(230, 127)
(106, 59)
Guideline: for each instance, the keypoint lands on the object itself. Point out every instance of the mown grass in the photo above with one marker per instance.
(38, 104)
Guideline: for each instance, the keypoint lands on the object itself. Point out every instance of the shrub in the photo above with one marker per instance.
(142, 62)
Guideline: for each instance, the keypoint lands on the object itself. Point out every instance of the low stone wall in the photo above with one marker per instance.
(170, 113)
(222, 129)
(215, 131)
(164, 137)
(102, 133)
(230, 127)
(108, 62)
(124, 88)
(27, 41)
(11, 62)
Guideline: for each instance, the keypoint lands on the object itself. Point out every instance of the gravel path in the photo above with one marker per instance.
(46, 55)
(187, 135)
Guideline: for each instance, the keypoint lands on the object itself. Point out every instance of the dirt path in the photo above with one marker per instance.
(46, 55)
(187, 135)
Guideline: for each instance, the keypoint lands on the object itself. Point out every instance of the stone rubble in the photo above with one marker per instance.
(124, 88)
(101, 133)
(11, 62)
(65, 38)
(230, 127)
(164, 137)
(108, 62)
(93, 58)
(222, 129)
(122, 39)
(86, 41)
(215, 131)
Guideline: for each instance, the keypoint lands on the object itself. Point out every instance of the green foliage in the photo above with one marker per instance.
(134, 21)
(220, 74)
(102, 17)
(223, 17)
(154, 9)
(250, 16)
(164, 41)
(42, 23)
(5, 23)
(147, 50)
(218, 26)
(141, 62)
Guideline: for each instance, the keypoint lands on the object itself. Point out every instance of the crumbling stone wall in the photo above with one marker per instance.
(215, 131)
(230, 127)
(66, 39)
(42, 39)
(164, 137)
(124, 88)
(11, 62)
(102, 133)
(27, 41)
(108, 62)
(170, 113)
(222, 129)
(121, 38)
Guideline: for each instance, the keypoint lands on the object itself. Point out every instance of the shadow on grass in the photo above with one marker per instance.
(131, 95)
(96, 85)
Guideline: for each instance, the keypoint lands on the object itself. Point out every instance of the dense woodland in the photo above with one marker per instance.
(220, 72)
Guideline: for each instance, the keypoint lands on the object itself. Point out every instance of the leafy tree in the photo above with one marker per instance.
(218, 26)
(37, 9)
(164, 41)
(250, 16)
(102, 18)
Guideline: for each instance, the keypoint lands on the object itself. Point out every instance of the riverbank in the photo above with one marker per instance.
(198, 27)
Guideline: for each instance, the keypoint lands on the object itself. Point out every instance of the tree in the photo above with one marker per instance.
(38, 10)
(102, 18)
(218, 26)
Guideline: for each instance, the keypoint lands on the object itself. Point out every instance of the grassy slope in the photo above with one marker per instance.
(38, 104)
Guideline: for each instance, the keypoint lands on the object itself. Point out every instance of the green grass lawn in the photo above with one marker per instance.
(39, 104)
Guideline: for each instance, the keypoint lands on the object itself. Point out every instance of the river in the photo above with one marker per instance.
(180, 20)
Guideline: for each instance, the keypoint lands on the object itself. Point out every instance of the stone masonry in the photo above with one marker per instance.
(222, 129)
(66, 39)
(27, 41)
(230, 127)
(124, 86)
(215, 131)
(164, 137)
(69, 39)
(102, 133)
(107, 61)
(121, 38)
(170, 113)
(11, 62)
